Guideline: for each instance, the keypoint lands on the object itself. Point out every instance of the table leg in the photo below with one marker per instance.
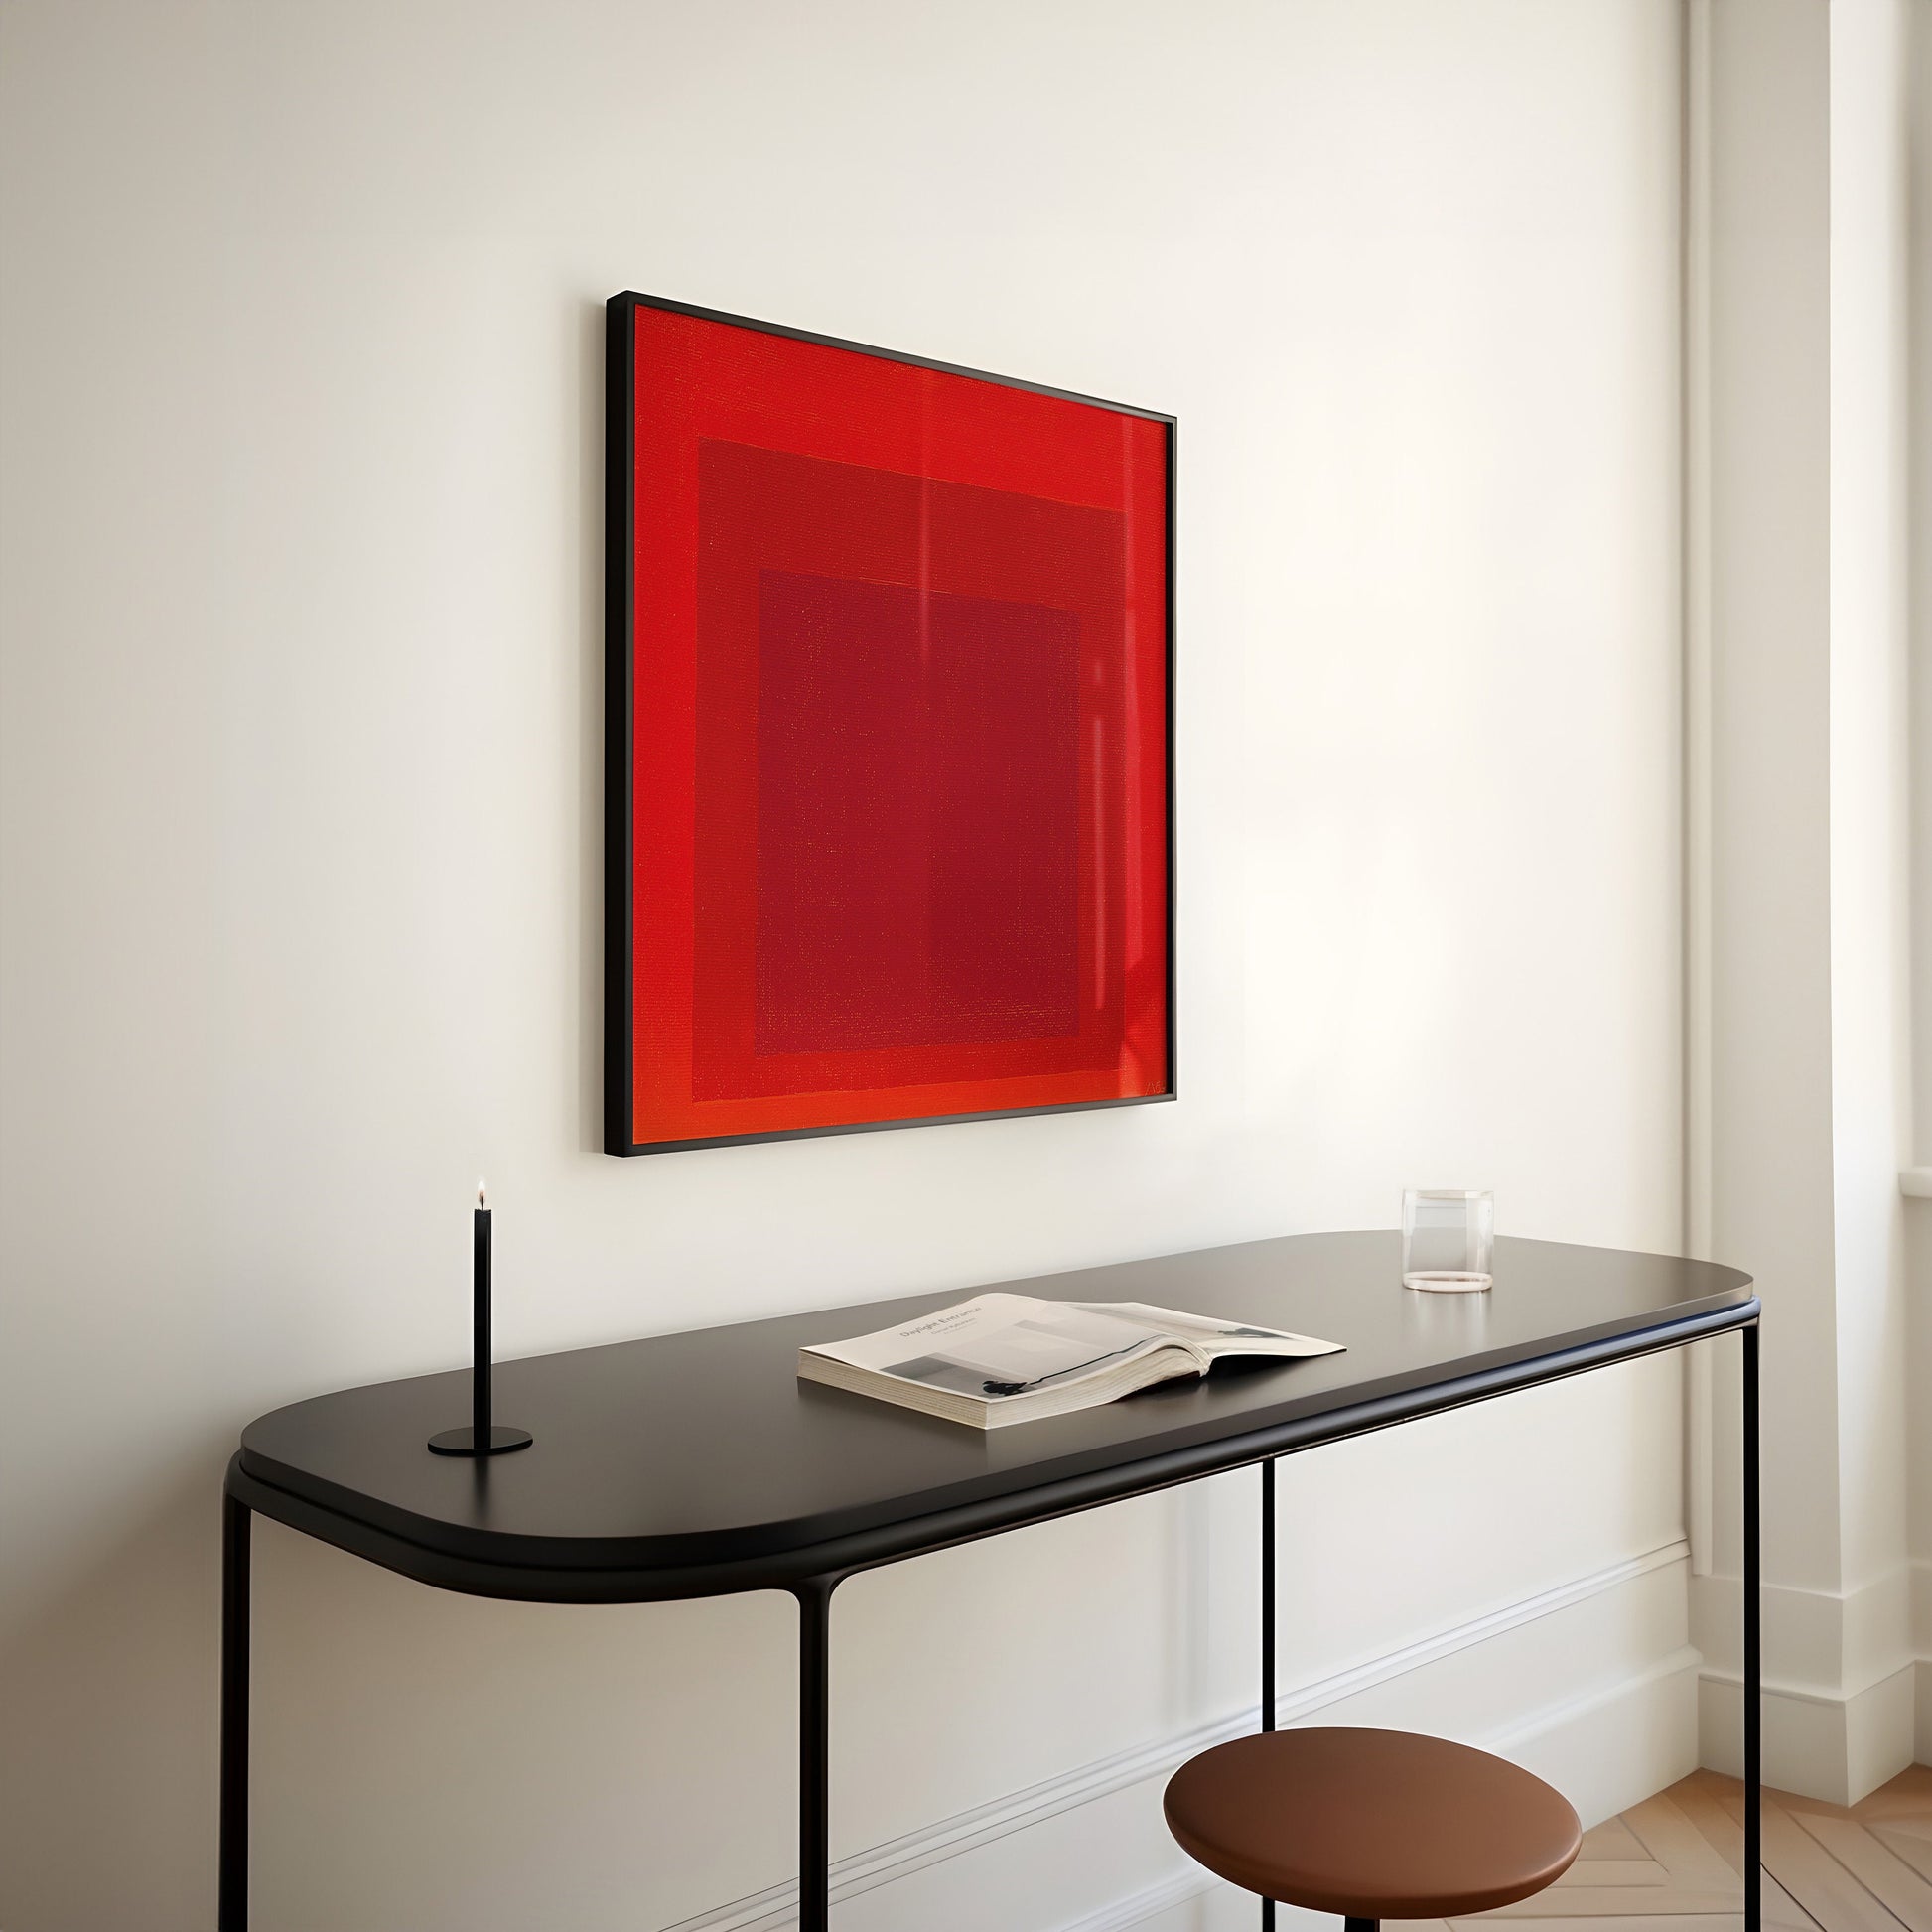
(1753, 1657)
(1268, 1629)
(232, 1883)
(814, 1752)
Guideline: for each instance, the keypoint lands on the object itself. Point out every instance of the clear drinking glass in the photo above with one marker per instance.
(1446, 1235)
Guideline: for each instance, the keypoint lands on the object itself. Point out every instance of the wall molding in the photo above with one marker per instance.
(1137, 1907)
(1854, 1705)
(1834, 1645)
(968, 1831)
(1695, 747)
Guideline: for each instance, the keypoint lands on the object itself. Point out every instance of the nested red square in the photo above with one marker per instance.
(895, 644)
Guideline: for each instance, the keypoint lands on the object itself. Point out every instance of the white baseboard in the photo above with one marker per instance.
(1591, 1684)
(1846, 1676)
(1137, 1907)
(1834, 1748)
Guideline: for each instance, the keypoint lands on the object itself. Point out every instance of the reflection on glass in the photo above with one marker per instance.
(1446, 1235)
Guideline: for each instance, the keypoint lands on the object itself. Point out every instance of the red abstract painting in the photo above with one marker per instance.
(889, 803)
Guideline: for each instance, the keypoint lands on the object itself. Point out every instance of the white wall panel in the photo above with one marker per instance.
(301, 341)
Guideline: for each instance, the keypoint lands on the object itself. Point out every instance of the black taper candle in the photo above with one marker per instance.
(480, 1288)
(483, 1436)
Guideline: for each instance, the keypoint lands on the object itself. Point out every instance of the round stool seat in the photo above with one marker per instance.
(1371, 1824)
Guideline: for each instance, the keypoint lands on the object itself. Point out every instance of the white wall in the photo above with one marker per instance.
(1870, 721)
(301, 342)
(1805, 1018)
(1918, 1212)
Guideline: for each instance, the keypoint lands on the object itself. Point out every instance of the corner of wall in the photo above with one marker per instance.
(1797, 1007)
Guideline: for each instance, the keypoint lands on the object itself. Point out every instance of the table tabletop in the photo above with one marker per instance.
(697, 1463)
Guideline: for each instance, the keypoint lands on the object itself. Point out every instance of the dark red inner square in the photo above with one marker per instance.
(918, 838)
(908, 861)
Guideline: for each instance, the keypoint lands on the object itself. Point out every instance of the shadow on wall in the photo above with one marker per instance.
(434, 1760)
(585, 486)
(378, 1702)
(110, 1692)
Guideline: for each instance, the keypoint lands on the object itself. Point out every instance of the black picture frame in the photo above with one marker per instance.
(620, 697)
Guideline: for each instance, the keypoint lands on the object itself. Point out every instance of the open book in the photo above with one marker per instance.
(1002, 1358)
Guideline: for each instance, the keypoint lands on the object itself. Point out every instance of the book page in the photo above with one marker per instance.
(1214, 1335)
(998, 1345)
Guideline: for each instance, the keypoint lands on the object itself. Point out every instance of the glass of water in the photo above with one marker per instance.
(1446, 1235)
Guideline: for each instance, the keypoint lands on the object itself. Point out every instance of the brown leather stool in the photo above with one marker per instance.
(1371, 1824)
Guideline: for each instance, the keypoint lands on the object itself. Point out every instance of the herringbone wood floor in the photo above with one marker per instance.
(1675, 1864)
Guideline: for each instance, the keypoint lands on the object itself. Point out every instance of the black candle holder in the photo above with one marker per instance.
(483, 1436)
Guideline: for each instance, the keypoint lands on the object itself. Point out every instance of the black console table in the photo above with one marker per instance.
(697, 1465)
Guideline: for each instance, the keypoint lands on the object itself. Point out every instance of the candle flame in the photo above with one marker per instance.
(482, 1195)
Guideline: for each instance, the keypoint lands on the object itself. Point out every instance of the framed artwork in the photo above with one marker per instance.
(889, 829)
